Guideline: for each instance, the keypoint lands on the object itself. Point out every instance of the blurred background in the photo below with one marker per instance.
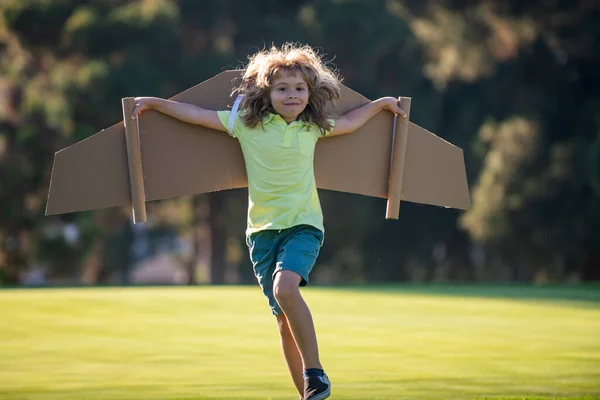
(514, 83)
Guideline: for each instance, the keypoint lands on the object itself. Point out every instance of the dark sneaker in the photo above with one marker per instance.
(316, 387)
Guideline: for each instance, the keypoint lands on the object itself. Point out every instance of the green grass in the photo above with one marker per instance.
(390, 342)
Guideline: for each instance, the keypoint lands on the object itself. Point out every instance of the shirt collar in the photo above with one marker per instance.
(269, 118)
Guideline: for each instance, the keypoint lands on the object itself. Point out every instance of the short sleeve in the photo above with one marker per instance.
(224, 116)
(332, 122)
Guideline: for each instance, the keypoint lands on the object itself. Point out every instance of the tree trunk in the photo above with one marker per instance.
(218, 237)
(200, 214)
(12, 259)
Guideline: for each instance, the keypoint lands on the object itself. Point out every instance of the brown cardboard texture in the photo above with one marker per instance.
(388, 157)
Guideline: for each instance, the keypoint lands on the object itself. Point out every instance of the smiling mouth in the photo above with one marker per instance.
(291, 104)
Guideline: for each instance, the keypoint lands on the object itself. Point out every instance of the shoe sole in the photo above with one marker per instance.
(322, 396)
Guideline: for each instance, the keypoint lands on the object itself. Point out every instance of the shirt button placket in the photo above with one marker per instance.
(286, 136)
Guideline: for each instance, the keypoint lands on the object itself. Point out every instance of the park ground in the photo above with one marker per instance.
(377, 342)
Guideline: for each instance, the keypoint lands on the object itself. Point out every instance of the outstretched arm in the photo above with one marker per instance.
(182, 111)
(354, 119)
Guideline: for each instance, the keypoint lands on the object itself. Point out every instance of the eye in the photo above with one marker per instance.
(281, 89)
(301, 89)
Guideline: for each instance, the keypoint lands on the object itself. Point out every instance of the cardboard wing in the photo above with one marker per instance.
(158, 157)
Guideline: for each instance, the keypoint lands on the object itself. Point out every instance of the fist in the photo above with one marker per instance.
(393, 105)
(141, 104)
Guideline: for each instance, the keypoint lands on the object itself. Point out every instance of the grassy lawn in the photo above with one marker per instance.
(390, 342)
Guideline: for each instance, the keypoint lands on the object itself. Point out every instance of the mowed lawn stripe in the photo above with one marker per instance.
(220, 342)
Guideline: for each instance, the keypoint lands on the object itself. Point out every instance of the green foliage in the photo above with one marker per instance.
(514, 84)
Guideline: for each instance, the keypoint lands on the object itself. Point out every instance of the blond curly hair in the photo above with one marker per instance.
(323, 83)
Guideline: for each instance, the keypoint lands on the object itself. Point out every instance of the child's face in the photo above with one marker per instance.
(289, 95)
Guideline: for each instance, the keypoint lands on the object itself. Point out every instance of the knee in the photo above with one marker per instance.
(284, 289)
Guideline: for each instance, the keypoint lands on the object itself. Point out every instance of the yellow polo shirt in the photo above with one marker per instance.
(281, 180)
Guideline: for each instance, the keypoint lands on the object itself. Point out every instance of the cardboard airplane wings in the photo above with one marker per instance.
(158, 157)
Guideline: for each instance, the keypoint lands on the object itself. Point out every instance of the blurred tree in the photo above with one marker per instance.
(63, 64)
(513, 83)
(531, 66)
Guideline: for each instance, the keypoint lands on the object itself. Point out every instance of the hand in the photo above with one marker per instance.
(141, 104)
(392, 104)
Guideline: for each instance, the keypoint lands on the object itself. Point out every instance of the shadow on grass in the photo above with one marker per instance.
(589, 293)
(539, 398)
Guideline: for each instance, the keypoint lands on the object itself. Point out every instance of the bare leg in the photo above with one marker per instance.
(291, 353)
(287, 294)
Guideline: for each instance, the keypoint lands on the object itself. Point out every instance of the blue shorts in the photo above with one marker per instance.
(293, 249)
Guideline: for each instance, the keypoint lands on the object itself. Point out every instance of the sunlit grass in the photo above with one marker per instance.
(376, 343)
